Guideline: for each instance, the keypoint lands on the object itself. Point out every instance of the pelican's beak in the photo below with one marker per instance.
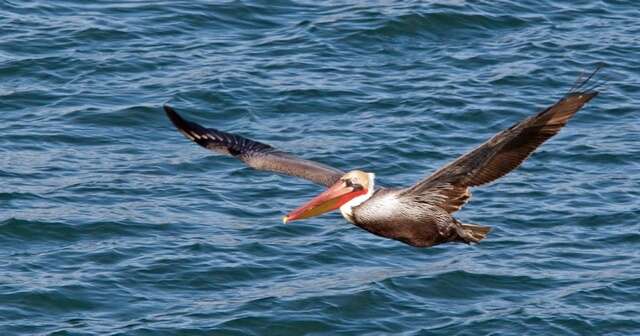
(331, 199)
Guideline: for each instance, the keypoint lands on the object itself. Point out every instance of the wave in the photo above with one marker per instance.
(440, 24)
(23, 230)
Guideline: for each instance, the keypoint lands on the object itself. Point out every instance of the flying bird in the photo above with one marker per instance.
(420, 215)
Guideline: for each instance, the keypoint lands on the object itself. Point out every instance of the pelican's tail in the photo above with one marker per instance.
(471, 233)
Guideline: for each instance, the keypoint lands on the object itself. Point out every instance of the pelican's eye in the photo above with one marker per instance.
(349, 183)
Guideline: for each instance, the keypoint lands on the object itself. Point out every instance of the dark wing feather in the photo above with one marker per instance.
(449, 186)
(253, 153)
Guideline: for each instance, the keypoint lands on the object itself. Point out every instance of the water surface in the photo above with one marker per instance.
(112, 223)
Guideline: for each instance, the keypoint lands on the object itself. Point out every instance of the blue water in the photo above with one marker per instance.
(112, 223)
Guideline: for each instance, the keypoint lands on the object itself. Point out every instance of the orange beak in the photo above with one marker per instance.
(331, 199)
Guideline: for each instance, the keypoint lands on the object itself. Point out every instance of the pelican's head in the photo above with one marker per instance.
(351, 190)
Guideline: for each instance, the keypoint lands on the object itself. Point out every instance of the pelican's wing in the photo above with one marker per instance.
(253, 153)
(448, 187)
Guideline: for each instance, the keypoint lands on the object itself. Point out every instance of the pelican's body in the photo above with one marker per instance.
(419, 215)
(388, 214)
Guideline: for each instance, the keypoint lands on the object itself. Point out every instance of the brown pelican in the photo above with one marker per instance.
(420, 215)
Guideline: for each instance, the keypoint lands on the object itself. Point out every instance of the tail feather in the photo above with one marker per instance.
(472, 233)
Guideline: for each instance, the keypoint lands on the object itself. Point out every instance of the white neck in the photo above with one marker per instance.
(347, 208)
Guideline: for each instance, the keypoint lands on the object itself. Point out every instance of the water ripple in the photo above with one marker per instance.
(112, 223)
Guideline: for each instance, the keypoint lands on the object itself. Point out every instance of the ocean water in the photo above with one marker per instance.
(112, 223)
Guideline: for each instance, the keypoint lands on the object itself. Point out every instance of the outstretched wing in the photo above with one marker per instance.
(253, 153)
(448, 187)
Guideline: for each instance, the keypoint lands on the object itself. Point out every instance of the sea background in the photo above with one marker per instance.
(112, 223)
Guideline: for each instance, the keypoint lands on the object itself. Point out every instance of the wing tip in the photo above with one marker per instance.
(181, 124)
(586, 84)
(175, 118)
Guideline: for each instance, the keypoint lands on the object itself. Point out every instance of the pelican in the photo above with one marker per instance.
(420, 215)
